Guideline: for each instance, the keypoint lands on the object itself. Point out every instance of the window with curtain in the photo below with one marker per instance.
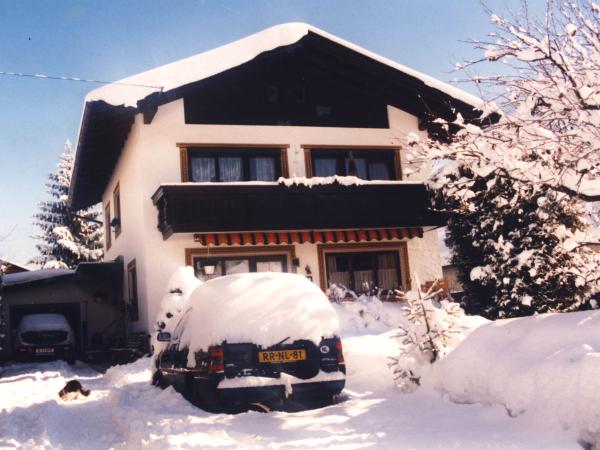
(364, 271)
(234, 164)
(263, 168)
(230, 168)
(217, 266)
(324, 167)
(364, 163)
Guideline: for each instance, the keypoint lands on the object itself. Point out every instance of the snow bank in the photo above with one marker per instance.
(368, 313)
(179, 288)
(263, 308)
(124, 411)
(547, 366)
(184, 280)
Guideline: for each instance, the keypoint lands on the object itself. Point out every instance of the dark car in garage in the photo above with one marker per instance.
(43, 336)
(262, 340)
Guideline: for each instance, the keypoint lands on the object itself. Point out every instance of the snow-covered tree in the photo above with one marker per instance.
(430, 330)
(548, 98)
(68, 237)
(512, 183)
(520, 247)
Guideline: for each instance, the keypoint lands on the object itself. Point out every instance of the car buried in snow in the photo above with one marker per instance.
(254, 341)
(44, 336)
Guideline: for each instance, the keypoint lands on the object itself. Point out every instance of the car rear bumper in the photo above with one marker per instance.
(302, 391)
(32, 354)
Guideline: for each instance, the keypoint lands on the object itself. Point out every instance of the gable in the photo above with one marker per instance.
(287, 86)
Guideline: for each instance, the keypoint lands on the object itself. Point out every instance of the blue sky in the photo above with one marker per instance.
(112, 39)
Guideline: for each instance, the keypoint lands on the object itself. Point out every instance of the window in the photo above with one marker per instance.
(234, 164)
(366, 164)
(364, 271)
(132, 291)
(117, 209)
(107, 236)
(212, 267)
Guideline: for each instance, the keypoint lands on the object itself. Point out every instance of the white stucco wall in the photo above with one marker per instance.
(424, 258)
(151, 157)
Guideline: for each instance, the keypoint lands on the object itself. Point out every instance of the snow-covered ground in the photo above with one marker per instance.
(125, 411)
(545, 366)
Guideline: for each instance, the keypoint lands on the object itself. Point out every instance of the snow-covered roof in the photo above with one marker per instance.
(12, 263)
(220, 59)
(15, 279)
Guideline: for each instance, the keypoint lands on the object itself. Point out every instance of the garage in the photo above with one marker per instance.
(89, 297)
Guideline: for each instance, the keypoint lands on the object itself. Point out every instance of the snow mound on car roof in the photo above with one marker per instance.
(43, 322)
(262, 308)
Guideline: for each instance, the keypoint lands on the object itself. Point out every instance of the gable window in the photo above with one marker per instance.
(211, 267)
(132, 291)
(231, 164)
(107, 235)
(367, 164)
(117, 209)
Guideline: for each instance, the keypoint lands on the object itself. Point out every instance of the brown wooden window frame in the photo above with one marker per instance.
(288, 251)
(324, 250)
(309, 150)
(132, 291)
(107, 230)
(186, 149)
(117, 210)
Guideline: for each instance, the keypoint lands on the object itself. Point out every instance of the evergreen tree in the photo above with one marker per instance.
(430, 329)
(68, 237)
(519, 247)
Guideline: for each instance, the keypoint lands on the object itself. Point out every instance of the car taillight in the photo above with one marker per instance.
(23, 349)
(216, 360)
(67, 348)
(340, 354)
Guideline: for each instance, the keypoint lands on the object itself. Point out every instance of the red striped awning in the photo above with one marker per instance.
(299, 237)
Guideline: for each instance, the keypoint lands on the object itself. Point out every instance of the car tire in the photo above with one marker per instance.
(202, 396)
(158, 380)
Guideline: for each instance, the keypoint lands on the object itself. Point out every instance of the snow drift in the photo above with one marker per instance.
(546, 365)
(262, 308)
(179, 288)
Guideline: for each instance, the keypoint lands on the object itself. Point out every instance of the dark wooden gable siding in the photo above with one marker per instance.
(284, 87)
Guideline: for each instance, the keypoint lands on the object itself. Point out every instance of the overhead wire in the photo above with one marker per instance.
(82, 80)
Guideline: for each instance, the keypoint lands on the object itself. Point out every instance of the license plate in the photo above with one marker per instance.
(44, 350)
(281, 356)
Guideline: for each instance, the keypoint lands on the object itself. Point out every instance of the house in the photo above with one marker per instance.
(9, 267)
(283, 151)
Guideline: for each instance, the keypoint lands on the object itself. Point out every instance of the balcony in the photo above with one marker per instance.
(238, 207)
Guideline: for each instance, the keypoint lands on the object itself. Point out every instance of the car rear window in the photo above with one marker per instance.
(44, 337)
